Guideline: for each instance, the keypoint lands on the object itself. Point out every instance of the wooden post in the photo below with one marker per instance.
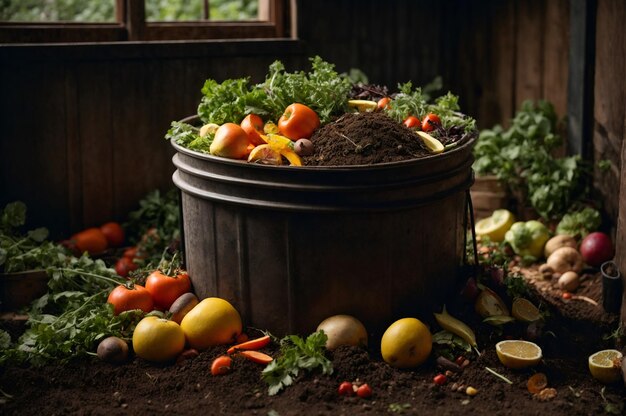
(581, 76)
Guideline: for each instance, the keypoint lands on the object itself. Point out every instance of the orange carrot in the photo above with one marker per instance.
(221, 365)
(253, 344)
(256, 356)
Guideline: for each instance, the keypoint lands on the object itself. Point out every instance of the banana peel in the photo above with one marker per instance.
(457, 327)
(363, 106)
(433, 145)
(284, 146)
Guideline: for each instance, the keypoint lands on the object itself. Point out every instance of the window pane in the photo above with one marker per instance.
(181, 10)
(57, 10)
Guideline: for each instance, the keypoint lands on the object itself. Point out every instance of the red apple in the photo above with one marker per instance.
(596, 248)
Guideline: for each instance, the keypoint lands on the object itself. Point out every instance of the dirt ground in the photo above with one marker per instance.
(92, 387)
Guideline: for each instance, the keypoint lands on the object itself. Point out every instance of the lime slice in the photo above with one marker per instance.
(496, 225)
(605, 366)
(518, 354)
(363, 106)
(523, 310)
(433, 144)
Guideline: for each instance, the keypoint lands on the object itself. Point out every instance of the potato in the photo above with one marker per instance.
(343, 330)
(565, 259)
(113, 350)
(569, 281)
(557, 242)
(183, 304)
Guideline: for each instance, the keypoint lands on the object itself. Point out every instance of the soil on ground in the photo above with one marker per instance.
(572, 332)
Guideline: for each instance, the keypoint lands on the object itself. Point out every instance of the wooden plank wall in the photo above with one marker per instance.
(493, 53)
(609, 133)
(82, 129)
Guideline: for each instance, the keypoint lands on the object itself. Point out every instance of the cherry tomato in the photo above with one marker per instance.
(298, 122)
(430, 121)
(253, 125)
(166, 289)
(440, 379)
(412, 122)
(114, 233)
(383, 103)
(91, 240)
(124, 266)
(221, 365)
(345, 389)
(134, 252)
(364, 391)
(126, 298)
(230, 141)
(566, 295)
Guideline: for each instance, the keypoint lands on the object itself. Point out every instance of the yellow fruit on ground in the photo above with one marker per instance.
(157, 339)
(406, 343)
(605, 366)
(214, 321)
(495, 226)
(518, 354)
(523, 310)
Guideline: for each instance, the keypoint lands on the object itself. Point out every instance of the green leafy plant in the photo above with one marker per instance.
(450, 345)
(22, 251)
(522, 159)
(579, 223)
(296, 355)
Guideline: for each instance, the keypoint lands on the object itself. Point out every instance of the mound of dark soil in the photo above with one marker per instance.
(91, 387)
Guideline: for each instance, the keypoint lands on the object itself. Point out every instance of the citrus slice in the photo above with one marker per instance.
(496, 225)
(518, 354)
(605, 366)
(363, 105)
(434, 145)
(523, 310)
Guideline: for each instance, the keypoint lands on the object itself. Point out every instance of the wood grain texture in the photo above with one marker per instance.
(610, 104)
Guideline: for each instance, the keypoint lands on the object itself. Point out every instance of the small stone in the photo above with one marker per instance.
(124, 405)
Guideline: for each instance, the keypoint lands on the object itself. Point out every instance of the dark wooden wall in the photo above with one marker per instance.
(83, 126)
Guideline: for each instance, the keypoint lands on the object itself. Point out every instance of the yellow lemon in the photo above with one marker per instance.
(157, 339)
(406, 343)
(214, 321)
(523, 310)
(518, 354)
(605, 366)
(496, 225)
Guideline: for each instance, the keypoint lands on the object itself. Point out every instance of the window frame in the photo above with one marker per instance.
(131, 25)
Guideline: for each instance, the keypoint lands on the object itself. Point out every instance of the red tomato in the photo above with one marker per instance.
(430, 121)
(91, 240)
(298, 122)
(412, 122)
(230, 141)
(125, 298)
(114, 233)
(364, 391)
(440, 379)
(345, 389)
(383, 103)
(166, 289)
(124, 266)
(253, 125)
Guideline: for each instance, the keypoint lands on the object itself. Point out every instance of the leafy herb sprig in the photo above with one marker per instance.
(296, 355)
(521, 157)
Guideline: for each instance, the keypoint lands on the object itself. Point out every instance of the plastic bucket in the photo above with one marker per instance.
(290, 246)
